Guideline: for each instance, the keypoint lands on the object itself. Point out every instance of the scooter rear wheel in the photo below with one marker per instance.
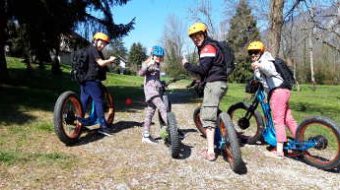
(326, 136)
(248, 125)
(198, 122)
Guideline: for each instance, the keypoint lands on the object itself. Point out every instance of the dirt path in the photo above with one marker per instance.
(123, 162)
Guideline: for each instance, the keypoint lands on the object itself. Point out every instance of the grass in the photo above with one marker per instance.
(13, 157)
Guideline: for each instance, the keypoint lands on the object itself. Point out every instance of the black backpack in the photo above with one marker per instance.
(228, 56)
(285, 72)
(79, 65)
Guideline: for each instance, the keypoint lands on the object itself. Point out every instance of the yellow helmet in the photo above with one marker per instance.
(197, 27)
(101, 36)
(256, 45)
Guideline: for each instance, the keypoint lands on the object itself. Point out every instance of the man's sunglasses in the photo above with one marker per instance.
(253, 52)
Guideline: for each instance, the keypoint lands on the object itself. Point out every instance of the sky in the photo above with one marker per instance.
(151, 16)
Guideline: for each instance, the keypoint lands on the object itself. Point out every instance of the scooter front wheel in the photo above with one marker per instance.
(173, 135)
(230, 145)
(67, 110)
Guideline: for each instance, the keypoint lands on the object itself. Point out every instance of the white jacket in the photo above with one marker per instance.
(266, 72)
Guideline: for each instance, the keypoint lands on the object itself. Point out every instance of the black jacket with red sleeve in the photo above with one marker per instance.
(211, 66)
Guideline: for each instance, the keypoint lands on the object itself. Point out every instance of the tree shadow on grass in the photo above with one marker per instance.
(39, 90)
(17, 101)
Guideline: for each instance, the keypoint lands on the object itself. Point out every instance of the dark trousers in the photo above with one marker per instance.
(93, 90)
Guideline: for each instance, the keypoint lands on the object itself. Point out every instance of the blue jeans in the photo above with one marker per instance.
(94, 90)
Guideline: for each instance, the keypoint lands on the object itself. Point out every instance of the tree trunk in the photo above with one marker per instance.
(3, 63)
(276, 23)
(311, 60)
(291, 63)
(56, 63)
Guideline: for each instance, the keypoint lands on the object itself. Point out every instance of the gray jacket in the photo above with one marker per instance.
(266, 72)
(152, 83)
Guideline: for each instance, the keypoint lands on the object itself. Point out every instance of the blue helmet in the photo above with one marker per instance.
(157, 51)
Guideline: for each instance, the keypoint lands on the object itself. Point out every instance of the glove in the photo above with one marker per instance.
(153, 68)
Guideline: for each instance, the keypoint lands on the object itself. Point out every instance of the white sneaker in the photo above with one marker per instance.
(148, 140)
(104, 131)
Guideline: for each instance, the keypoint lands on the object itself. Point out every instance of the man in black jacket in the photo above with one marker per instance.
(211, 69)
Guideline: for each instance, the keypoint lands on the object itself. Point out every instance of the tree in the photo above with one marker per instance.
(326, 20)
(173, 43)
(116, 48)
(137, 55)
(203, 12)
(273, 14)
(275, 26)
(242, 31)
(54, 18)
(3, 21)
(324, 28)
(309, 41)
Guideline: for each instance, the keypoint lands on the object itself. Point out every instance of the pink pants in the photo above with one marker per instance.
(282, 114)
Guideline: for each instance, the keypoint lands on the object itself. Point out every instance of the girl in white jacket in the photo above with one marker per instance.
(264, 70)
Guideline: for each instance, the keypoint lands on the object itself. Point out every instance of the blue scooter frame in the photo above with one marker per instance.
(269, 134)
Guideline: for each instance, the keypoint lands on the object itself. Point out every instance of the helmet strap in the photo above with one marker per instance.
(205, 35)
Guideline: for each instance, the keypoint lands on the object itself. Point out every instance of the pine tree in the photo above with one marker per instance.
(116, 48)
(242, 31)
(174, 67)
(137, 55)
(51, 19)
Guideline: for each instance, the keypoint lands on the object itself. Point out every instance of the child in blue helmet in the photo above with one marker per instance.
(152, 86)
